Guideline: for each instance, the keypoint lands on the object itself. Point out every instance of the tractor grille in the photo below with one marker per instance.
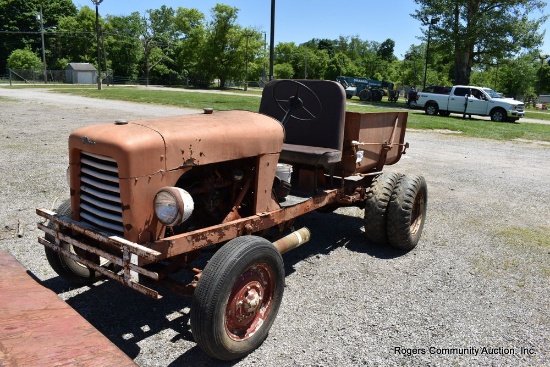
(100, 203)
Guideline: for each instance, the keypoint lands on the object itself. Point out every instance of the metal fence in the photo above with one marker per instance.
(35, 76)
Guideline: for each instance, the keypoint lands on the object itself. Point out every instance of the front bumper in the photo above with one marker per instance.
(118, 251)
(516, 114)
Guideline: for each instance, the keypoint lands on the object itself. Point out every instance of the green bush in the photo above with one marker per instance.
(24, 59)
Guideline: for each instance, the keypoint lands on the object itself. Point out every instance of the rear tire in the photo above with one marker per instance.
(378, 198)
(432, 109)
(67, 268)
(407, 212)
(237, 298)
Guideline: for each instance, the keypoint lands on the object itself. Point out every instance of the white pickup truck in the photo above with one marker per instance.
(470, 100)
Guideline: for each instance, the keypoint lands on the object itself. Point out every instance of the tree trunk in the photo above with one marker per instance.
(464, 44)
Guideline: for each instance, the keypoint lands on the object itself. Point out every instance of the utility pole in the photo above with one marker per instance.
(247, 35)
(542, 58)
(43, 48)
(96, 3)
(272, 40)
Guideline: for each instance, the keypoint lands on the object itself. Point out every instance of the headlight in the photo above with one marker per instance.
(173, 205)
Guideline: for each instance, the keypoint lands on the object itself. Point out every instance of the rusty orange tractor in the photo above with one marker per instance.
(146, 197)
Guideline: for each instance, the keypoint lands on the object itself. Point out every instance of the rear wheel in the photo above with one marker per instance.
(407, 212)
(237, 298)
(65, 267)
(432, 109)
(378, 198)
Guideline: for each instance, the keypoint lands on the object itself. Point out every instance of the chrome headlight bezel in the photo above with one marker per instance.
(173, 206)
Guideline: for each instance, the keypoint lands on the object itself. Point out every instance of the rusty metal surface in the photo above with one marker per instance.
(168, 247)
(380, 134)
(39, 329)
(155, 153)
(128, 263)
(190, 241)
(168, 143)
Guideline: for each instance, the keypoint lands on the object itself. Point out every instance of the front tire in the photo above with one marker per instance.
(498, 115)
(237, 298)
(67, 268)
(365, 95)
(407, 212)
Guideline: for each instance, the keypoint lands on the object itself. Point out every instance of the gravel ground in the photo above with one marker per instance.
(474, 292)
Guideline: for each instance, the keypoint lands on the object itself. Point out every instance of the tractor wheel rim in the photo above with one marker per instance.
(250, 302)
(417, 213)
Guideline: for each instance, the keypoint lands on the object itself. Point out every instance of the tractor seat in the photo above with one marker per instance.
(309, 141)
(311, 156)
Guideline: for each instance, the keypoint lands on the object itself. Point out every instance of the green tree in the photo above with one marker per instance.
(77, 41)
(518, 77)
(18, 19)
(283, 71)
(478, 31)
(24, 59)
(190, 24)
(157, 39)
(224, 53)
(385, 51)
(123, 46)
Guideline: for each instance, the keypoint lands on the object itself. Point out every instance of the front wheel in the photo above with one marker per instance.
(237, 298)
(498, 115)
(65, 267)
(407, 212)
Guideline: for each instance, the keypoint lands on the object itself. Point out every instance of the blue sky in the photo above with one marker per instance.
(301, 20)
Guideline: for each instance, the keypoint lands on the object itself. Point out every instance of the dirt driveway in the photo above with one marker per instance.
(474, 292)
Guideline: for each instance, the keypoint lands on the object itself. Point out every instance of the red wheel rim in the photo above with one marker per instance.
(250, 302)
(417, 213)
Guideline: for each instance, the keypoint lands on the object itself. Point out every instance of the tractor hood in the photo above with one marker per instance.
(148, 146)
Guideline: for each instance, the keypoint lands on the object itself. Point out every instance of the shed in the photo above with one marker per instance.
(80, 73)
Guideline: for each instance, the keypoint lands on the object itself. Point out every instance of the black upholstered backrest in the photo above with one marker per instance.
(327, 129)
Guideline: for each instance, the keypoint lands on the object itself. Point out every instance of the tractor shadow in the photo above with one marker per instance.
(330, 231)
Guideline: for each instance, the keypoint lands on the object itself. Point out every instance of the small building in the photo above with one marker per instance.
(80, 73)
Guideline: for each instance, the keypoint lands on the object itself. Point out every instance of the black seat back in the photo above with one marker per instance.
(326, 130)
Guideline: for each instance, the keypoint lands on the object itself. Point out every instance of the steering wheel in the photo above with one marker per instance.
(286, 94)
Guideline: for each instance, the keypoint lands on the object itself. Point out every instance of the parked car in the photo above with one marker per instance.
(472, 100)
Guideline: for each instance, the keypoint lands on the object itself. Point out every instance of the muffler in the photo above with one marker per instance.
(293, 240)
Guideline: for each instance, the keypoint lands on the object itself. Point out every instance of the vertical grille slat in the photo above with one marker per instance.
(100, 203)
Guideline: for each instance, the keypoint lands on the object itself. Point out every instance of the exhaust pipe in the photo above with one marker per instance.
(293, 240)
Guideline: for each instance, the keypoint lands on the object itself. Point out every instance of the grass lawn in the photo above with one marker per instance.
(250, 101)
